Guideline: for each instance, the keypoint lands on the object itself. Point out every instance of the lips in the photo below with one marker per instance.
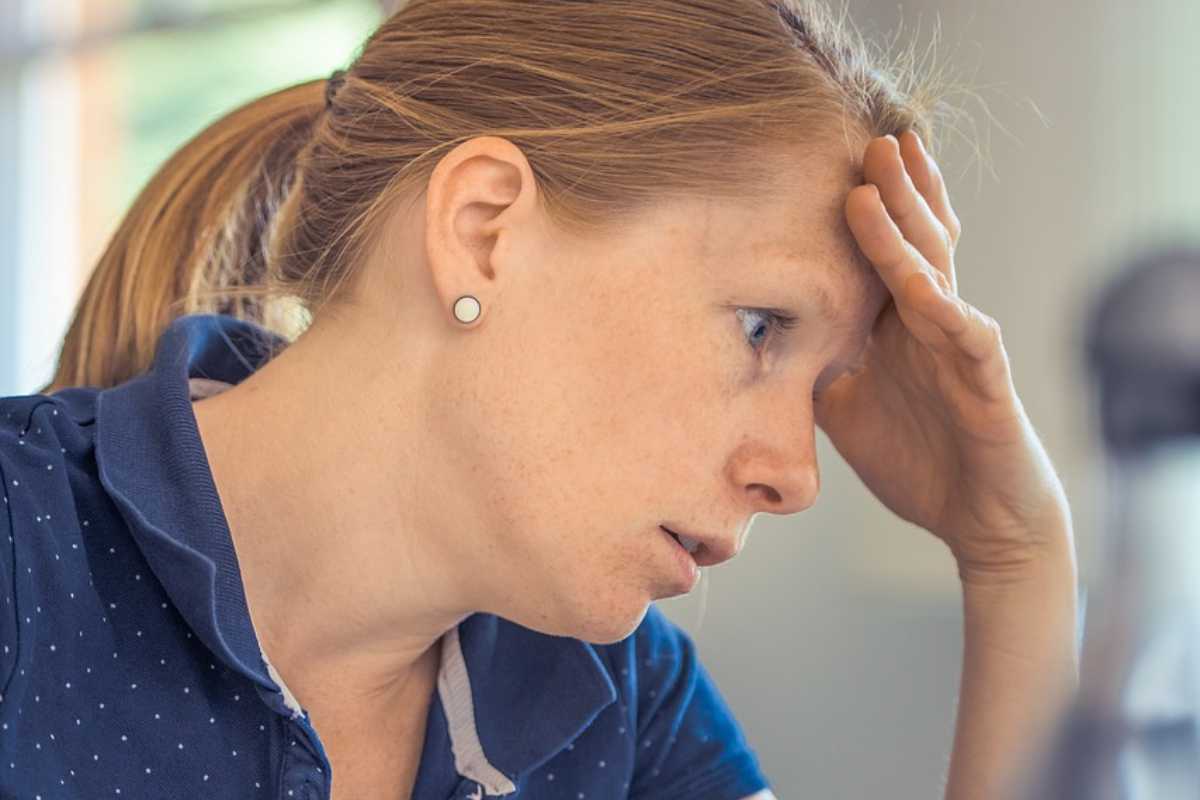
(689, 544)
(707, 551)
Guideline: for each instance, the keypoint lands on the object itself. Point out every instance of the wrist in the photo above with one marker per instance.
(1046, 553)
(1020, 666)
(1030, 612)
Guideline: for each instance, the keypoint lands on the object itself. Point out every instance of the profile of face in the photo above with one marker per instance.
(615, 384)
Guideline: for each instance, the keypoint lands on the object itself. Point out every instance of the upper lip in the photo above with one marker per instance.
(713, 550)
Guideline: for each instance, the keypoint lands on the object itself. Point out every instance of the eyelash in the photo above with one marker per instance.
(777, 322)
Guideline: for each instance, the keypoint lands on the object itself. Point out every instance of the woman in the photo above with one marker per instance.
(579, 281)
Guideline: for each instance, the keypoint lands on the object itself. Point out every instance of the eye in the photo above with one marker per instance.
(759, 323)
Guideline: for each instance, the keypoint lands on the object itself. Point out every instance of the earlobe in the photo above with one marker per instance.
(478, 195)
(466, 309)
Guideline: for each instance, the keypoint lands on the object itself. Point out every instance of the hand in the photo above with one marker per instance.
(932, 424)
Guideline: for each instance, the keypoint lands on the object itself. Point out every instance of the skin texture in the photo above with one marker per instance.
(521, 465)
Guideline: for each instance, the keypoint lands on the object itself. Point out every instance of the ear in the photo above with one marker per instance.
(480, 196)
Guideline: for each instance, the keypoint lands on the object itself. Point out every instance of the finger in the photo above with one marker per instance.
(884, 166)
(931, 305)
(895, 258)
(966, 338)
(917, 286)
(920, 172)
(965, 330)
(927, 177)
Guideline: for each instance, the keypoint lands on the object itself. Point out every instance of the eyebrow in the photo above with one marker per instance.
(822, 300)
(815, 295)
(812, 295)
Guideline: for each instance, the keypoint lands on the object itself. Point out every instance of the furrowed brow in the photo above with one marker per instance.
(815, 296)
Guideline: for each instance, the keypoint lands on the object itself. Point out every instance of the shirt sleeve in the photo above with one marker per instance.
(689, 744)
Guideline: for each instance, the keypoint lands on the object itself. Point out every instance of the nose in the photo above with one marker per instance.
(777, 471)
(787, 489)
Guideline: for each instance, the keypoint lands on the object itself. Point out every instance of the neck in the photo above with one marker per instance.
(349, 580)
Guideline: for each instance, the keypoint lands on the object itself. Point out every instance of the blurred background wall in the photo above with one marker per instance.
(836, 635)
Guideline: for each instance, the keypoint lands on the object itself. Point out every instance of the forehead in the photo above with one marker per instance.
(792, 239)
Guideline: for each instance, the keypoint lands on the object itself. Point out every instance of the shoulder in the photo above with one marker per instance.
(46, 455)
(47, 477)
(39, 436)
(34, 426)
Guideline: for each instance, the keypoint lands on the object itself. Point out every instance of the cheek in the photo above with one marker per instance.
(552, 432)
(653, 421)
(581, 440)
(573, 477)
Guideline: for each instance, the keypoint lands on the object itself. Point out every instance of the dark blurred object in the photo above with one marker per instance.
(1143, 346)
(1132, 732)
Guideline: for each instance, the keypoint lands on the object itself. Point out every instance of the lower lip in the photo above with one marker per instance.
(688, 569)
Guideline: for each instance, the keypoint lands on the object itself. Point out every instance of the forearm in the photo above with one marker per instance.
(1020, 670)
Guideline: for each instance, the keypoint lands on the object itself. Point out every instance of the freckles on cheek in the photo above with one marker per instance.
(649, 380)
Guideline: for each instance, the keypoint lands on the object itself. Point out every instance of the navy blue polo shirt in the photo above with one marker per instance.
(130, 667)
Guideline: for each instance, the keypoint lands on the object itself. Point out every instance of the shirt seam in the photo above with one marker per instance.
(12, 577)
(284, 754)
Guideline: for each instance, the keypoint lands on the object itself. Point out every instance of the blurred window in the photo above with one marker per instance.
(94, 96)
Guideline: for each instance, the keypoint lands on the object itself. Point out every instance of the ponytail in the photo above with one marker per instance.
(195, 240)
(283, 200)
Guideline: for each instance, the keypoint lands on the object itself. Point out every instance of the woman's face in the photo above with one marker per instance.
(613, 385)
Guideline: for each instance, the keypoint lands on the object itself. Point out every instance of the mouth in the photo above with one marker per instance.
(705, 551)
(688, 543)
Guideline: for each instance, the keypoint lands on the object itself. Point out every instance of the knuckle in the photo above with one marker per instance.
(935, 175)
(894, 259)
(942, 281)
(954, 227)
(947, 237)
(902, 211)
(991, 326)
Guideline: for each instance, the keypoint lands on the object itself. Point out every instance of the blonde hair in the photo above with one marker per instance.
(266, 214)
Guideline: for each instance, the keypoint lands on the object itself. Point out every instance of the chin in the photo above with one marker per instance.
(599, 617)
(608, 618)
(608, 632)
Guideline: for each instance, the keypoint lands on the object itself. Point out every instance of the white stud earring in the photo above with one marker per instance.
(466, 309)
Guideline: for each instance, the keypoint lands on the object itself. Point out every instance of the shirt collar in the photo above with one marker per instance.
(513, 696)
